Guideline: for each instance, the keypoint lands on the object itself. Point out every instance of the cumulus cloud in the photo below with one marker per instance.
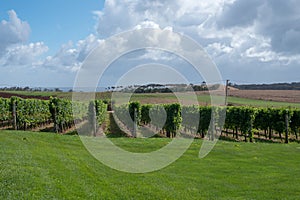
(13, 31)
(240, 35)
(70, 56)
(24, 55)
(276, 20)
(119, 15)
(14, 51)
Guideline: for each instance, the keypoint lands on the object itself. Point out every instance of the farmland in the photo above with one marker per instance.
(204, 99)
(292, 96)
(149, 100)
(260, 98)
(39, 165)
(248, 122)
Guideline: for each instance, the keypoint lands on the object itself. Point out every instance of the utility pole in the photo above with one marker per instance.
(226, 91)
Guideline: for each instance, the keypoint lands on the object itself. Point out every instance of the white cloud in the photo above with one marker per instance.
(13, 31)
(276, 20)
(147, 24)
(240, 35)
(14, 51)
(70, 57)
(156, 55)
(260, 36)
(238, 24)
(24, 55)
(215, 49)
(119, 15)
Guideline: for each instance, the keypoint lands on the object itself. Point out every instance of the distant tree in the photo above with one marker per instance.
(57, 90)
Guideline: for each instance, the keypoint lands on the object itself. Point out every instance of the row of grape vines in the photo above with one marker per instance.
(246, 122)
(237, 122)
(27, 114)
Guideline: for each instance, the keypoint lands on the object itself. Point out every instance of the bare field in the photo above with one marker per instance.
(236, 97)
(292, 96)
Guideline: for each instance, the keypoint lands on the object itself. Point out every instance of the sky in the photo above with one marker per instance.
(44, 43)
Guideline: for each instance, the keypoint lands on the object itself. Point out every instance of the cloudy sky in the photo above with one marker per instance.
(44, 43)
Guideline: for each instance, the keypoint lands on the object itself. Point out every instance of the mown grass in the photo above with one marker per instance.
(51, 166)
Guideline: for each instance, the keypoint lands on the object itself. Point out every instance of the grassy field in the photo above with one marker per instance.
(51, 166)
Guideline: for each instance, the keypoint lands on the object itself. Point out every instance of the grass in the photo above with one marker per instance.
(51, 166)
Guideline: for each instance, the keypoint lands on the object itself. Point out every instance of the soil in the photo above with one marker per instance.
(8, 95)
(292, 96)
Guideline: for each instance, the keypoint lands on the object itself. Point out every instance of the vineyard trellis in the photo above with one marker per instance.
(281, 124)
(5, 112)
(27, 114)
(240, 121)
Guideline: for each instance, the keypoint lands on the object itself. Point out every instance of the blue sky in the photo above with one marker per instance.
(44, 43)
(57, 21)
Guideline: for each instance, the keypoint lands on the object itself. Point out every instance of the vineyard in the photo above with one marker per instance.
(61, 114)
(247, 123)
(167, 120)
(38, 165)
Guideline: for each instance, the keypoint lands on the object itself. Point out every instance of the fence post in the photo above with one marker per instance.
(287, 127)
(55, 120)
(14, 115)
(94, 119)
(135, 123)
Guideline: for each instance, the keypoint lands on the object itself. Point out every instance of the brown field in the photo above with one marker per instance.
(8, 95)
(292, 96)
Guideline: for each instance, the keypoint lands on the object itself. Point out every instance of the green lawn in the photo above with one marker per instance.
(50, 166)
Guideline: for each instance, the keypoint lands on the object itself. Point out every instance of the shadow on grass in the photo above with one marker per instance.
(112, 128)
(47, 130)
